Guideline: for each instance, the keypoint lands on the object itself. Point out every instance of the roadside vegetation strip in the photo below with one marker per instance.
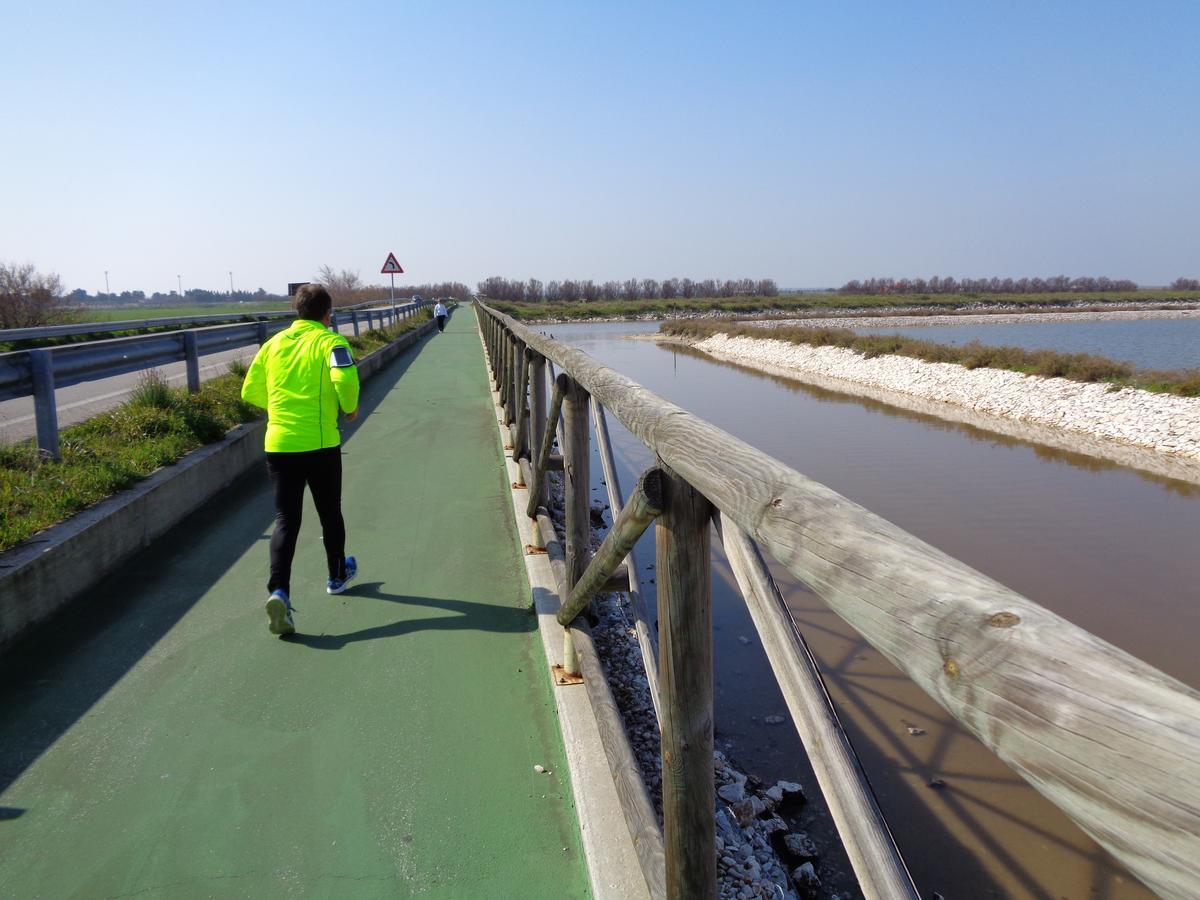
(156, 427)
(1082, 367)
(112, 451)
(910, 304)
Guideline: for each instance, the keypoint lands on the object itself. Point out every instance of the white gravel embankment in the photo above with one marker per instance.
(1161, 423)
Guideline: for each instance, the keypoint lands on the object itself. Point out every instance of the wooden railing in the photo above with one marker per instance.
(1108, 739)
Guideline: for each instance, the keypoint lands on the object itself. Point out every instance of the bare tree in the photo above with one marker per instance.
(29, 298)
(343, 286)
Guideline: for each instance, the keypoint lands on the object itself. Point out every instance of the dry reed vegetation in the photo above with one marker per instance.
(1047, 363)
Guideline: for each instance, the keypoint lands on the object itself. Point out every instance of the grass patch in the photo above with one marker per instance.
(928, 304)
(153, 391)
(1083, 367)
(113, 451)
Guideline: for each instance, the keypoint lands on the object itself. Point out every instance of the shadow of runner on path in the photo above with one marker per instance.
(468, 616)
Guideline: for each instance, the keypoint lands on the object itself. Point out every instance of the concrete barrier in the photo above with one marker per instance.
(45, 573)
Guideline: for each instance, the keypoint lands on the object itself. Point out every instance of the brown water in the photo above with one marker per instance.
(1109, 548)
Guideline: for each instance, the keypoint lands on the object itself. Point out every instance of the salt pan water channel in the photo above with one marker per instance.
(1109, 548)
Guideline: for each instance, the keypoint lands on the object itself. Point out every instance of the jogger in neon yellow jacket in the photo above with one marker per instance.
(303, 377)
(298, 378)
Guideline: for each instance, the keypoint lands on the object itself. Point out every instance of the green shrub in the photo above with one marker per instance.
(152, 390)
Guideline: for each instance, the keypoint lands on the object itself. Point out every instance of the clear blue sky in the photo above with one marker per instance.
(811, 143)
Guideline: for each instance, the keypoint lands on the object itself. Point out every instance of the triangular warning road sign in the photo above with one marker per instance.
(392, 266)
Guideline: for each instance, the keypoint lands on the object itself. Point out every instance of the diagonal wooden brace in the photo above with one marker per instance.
(561, 384)
(642, 508)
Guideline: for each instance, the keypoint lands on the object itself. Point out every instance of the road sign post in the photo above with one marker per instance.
(390, 267)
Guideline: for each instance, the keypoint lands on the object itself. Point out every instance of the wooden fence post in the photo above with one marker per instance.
(489, 334)
(514, 366)
(576, 497)
(537, 421)
(686, 686)
(541, 466)
(507, 390)
(501, 364)
(521, 442)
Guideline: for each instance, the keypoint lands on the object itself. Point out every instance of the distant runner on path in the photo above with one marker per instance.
(439, 313)
(302, 377)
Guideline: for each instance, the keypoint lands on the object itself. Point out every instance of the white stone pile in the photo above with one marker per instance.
(1160, 422)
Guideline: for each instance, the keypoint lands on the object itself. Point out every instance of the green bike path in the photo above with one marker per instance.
(159, 742)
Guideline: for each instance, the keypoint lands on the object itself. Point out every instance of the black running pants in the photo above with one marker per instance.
(321, 470)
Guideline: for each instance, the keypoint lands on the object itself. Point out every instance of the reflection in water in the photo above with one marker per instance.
(1106, 547)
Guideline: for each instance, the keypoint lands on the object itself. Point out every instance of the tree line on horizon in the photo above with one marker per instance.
(588, 291)
(1057, 284)
(29, 298)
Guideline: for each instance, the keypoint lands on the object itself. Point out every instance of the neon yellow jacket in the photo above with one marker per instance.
(301, 377)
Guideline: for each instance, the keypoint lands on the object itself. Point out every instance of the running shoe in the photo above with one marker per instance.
(337, 585)
(279, 611)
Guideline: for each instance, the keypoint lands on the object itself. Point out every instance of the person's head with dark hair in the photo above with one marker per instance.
(313, 302)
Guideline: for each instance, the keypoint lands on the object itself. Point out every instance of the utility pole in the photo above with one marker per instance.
(179, 281)
(230, 285)
(107, 290)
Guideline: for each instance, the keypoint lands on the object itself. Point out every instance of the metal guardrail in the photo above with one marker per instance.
(38, 373)
(49, 331)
